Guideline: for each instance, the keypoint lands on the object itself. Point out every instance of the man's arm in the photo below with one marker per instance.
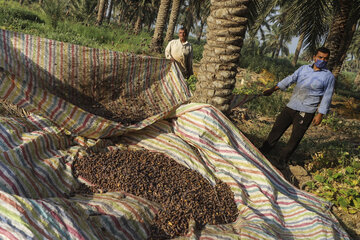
(270, 91)
(325, 102)
(168, 51)
(317, 119)
(285, 83)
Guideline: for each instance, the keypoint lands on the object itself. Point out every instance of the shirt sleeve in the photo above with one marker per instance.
(326, 99)
(168, 51)
(286, 82)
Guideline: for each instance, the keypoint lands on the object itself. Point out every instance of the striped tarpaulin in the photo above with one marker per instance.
(53, 78)
(36, 154)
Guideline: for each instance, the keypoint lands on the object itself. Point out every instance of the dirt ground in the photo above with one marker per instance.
(347, 130)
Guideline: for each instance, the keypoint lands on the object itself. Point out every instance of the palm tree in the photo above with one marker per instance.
(109, 10)
(175, 9)
(354, 50)
(82, 10)
(194, 12)
(341, 32)
(276, 41)
(201, 14)
(227, 25)
(139, 13)
(297, 51)
(101, 12)
(157, 39)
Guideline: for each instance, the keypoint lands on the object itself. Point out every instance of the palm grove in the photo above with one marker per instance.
(267, 26)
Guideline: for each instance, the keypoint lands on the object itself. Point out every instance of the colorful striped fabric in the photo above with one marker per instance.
(36, 154)
(47, 77)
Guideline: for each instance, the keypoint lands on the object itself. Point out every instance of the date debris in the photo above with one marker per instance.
(183, 193)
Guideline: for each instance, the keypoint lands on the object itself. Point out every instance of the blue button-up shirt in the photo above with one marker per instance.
(312, 87)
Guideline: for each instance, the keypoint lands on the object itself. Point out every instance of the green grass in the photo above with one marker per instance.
(33, 21)
(279, 67)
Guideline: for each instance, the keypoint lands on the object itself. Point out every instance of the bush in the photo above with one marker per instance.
(14, 17)
(198, 48)
(345, 81)
(268, 106)
(281, 68)
(55, 10)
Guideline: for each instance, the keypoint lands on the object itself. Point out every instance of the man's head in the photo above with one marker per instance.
(321, 57)
(183, 34)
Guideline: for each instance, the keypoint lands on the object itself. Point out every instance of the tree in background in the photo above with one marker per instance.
(297, 50)
(157, 40)
(101, 12)
(109, 10)
(346, 17)
(175, 10)
(202, 11)
(144, 12)
(55, 10)
(193, 13)
(139, 12)
(227, 26)
(82, 10)
(354, 51)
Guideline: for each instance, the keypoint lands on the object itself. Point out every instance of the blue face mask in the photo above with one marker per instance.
(320, 64)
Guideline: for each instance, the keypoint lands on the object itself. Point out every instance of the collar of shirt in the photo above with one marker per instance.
(185, 43)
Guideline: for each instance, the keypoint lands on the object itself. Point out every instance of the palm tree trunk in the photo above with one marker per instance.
(337, 37)
(202, 24)
(21, 2)
(277, 52)
(137, 26)
(175, 9)
(297, 51)
(227, 25)
(101, 12)
(345, 46)
(40, 2)
(108, 17)
(157, 39)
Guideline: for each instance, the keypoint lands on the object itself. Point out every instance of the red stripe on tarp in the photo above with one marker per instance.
(72, 231)
(25, 214)
(8, 181)
(88, 116)
(114, 220)
(7, 234)
(57, 108)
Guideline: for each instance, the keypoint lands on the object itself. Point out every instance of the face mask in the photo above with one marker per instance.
(320, 64)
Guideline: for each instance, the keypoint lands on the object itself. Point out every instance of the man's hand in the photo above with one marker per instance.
(270, 91)
(317, 119)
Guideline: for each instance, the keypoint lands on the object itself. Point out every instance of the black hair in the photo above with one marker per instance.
(323, 50)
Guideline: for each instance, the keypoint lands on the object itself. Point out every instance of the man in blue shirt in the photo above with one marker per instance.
(313, 91)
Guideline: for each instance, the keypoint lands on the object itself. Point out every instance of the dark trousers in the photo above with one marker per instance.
(300, 121)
